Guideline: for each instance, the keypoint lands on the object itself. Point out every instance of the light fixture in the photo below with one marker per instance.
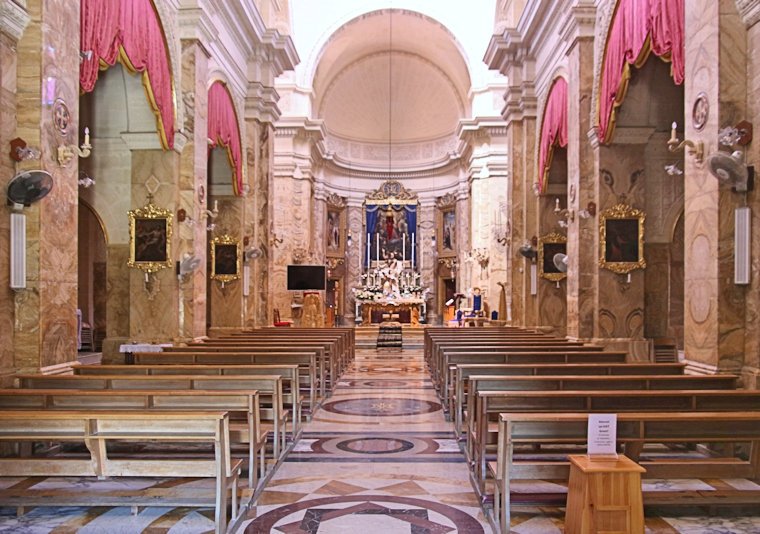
(567, 215)
(85, 180)
(501, 229)
(67, 152)
(696, 149)
(480, 255)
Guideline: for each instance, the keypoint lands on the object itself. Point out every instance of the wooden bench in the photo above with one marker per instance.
(634, 430)
(97, 431)
(483, 423)
(268, 386)
(242, 402)
(310, 366)
(291, 397)
(460, 374)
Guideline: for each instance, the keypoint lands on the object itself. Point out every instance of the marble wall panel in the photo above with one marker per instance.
(226, 303)
(518, 267)
(260, 159)
(427, 258)
(354, 261)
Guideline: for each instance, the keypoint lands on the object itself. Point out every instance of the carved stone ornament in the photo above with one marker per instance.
(391, 192)
(334, 200)
(700, 112)
(446, 201)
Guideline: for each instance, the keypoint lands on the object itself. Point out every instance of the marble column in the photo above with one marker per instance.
(355, 265)
(13, 20)
(259, 169)
(193, 172)
(582, 242)
(226, 300)
(714, 319)
(427, 254)
(45, 328)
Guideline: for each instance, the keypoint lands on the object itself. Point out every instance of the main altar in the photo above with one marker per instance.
(391, 289)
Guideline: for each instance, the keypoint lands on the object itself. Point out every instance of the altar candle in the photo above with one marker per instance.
(673, 137)
(368, 238)
(413, 248)
(403, 247)
(377, 246)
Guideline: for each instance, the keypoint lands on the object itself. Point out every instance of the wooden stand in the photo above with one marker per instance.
(604, 496)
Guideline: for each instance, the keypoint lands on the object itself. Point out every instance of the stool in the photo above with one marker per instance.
(604, 495)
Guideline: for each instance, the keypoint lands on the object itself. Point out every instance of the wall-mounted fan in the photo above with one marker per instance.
(28, 187)
(527, 251)
(188, 264)
(730, 169)
(560, 262)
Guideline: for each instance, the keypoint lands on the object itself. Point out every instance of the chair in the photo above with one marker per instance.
(280, 323)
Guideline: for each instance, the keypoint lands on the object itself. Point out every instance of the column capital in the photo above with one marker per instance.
(13, 19)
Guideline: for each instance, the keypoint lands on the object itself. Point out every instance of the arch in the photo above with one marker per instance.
(553, 128)
(224, 130)
(637, 28)
(131, 33)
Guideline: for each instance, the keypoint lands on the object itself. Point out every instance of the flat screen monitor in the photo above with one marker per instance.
(306, 277)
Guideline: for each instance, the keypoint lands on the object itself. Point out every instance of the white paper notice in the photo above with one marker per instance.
(602, 434)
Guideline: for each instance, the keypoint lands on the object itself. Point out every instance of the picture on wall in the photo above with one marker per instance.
(447, 230)
(334, 242)
(225, 259)
(150, 231)
(621, 239)
(549, 246)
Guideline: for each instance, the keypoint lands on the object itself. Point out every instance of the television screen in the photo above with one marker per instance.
(306, 277)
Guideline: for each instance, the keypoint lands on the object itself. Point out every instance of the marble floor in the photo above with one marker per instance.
(377, 458)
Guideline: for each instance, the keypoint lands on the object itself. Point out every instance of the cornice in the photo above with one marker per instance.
(579, 23)
(13, 19)
(749, 10)
(196, 24)
(479, 126)
(261, 103)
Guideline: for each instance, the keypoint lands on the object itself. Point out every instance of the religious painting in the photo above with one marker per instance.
(334, 236)
(393, 240)
(391, 225)
(150, 231)
(621, 239)
(225, 259)
(548, 247)
(447, 229)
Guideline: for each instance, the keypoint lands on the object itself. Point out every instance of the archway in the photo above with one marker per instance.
(92, 279)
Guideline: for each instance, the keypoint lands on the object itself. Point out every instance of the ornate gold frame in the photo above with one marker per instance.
(550, 239)
(621, 212)
(440, 230)
(337, 206)
(149, 212)
(225, 240)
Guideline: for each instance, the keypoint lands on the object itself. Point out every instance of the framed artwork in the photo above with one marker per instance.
(335, 244)
(150, 232)
(548, 246)
(447, 230)
(225, 258)
(621, 239)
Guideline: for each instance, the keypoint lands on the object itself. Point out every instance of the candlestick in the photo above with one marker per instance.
(86, 137)
(673, 137)
(216, 206)
(377, 246)
(403, 248)
(556, 204)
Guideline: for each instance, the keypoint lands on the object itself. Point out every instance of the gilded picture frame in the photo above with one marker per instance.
(335, 232)
(447, 232)
(150, 238)
(621, 239)
(226, 258)
(548, 246)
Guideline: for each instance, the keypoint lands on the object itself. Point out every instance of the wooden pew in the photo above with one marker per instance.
(461, 373)
(489, 404)
(97, 430)
(556, 355)
(243, 402)
(291, 397)
(310, 365)
(268, 386)
(634, 430)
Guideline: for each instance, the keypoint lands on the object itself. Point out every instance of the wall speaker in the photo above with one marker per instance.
(18, 251)
(742, 238)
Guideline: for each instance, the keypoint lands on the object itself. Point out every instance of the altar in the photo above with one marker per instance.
(401, 310)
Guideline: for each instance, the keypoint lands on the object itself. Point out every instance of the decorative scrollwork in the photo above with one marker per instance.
(446, 201)
(391, 192)
(334, 200)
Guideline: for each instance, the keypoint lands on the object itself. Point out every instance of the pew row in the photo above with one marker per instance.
(97, 431)
(634, 431)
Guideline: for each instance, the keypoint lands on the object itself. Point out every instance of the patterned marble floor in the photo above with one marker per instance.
(378, 458)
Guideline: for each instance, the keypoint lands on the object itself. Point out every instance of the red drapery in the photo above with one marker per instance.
(223, 130)
(129, 31)
(638, 28)
(553, 128)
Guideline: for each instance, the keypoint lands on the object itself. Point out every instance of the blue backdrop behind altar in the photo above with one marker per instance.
(391, 228)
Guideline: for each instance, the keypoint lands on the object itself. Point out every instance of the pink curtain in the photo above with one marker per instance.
(553, 128)
(638, 27)
(129, 30)
(223, 130)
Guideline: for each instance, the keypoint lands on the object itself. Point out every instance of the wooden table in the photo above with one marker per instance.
(604, 495)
